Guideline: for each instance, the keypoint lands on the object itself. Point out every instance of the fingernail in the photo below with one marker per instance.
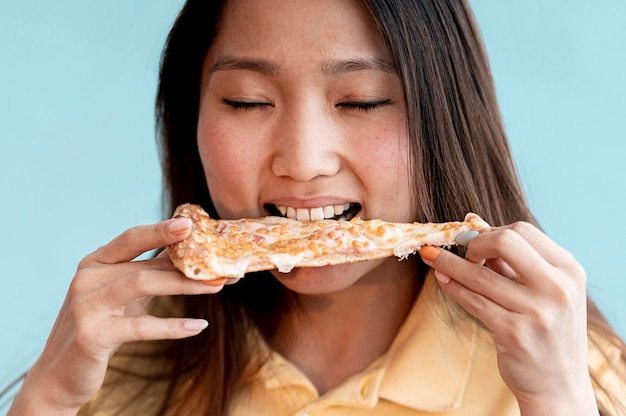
(429, 252)
(442, 278)
(465, 238)
(195, 325)
(180, 225)
(215, 282)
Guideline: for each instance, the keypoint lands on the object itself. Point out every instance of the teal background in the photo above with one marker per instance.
(78, 163)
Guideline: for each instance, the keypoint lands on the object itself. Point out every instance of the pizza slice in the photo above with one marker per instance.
(232, 248)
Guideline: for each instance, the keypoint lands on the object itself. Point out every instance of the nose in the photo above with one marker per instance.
(307, 144)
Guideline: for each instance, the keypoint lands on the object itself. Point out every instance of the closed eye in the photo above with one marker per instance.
(243, 105)
(365, 106)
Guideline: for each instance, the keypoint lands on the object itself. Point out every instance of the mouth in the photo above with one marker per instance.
(344, 212)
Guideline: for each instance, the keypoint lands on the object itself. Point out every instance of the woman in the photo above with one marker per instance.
(389, 107)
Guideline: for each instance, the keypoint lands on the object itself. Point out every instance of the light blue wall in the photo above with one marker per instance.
(560, 71)
(78, 163)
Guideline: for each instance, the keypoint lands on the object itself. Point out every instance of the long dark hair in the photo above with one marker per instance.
(460, 162)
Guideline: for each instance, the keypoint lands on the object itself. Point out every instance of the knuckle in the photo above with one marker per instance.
(522, 227)
(567, 297)
(580, 276)
(89, 260)
(482, 279)
(548, 316)
(84, 263)
(575, 270)
(147, 327)
(128, 236)
(507, 238)
(565, 287)
(79, 283)
(140, 281)
(517, 337)
(474, 303)
(140, 328)
(561, 299)
(544, 319)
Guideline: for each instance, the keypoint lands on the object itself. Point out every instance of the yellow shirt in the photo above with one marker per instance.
(439, 364)
(431, 367)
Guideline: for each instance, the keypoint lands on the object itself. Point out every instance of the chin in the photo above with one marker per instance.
(325, 280)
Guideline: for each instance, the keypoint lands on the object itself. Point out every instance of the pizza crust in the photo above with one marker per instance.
(232, 248)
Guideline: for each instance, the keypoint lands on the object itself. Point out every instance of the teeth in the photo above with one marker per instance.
(313, 214)
(303, 214)
(317, 214)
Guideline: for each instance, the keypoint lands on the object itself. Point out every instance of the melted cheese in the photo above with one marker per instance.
(220, 248)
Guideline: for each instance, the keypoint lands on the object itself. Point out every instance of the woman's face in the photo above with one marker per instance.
(302, 113)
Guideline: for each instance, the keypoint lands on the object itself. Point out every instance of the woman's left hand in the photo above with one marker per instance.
(531, 294)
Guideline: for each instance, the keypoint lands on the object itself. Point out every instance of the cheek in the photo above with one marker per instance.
(387, 161)
(387, 155)
(227, 169)
(213, 154)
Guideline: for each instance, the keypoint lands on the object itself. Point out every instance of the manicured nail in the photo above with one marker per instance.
(465, 238)
(180, 225)
(195, 325)
(429, 252)
(215, 282)
(442, 278)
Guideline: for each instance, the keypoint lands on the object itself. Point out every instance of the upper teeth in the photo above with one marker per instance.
(313, 214)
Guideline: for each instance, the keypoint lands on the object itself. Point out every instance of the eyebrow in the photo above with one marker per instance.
(338, 67)
(331, 67)
(256, 65)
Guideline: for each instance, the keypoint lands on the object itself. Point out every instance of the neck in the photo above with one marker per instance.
(352, 327)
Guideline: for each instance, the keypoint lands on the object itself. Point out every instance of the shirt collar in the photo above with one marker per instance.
(427, 366)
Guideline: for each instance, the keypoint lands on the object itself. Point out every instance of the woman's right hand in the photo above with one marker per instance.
(104, 309)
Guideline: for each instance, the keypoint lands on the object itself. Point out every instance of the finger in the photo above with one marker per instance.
(499, 266)
(521, 258)
(150, 328)
(138, 240)
(470, 216)
(492, 314)
(535, 238)
(473, 218)
(147, 283)
(479, 281)
(98, 275)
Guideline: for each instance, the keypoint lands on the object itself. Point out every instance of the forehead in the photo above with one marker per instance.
(285, 28)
